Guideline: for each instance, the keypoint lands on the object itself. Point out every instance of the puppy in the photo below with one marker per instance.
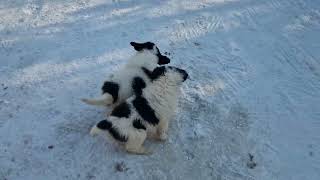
(119, 85)
(149, 109)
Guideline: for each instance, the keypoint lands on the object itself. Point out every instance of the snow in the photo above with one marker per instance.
(254, 88)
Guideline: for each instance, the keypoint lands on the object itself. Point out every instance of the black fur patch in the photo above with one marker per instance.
(106, 125)
(157, 72)
(147, 72)
(112, 88)
(141, 46)
(184, 73)
(145, 111)
(116, 135)
(149, 45)
(122, 110)
(138, 125)
(137, 85)
(162, 59)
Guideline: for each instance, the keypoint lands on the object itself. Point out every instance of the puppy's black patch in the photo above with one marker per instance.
(147, 72)
(122, 110)
(183, 72)
(163, 59)
(157, 72)
(137, 85)
(141, 46)
(145, 111)
(112, 88)
(149, 45)
(138, 125)
(116, 135)
(106, 125)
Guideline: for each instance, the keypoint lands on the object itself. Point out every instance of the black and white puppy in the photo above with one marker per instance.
(119, 85)
(149, 110)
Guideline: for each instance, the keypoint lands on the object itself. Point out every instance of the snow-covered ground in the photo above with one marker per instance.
(254, 88)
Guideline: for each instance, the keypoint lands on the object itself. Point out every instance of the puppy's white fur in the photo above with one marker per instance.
(123, 77)
(162, 95)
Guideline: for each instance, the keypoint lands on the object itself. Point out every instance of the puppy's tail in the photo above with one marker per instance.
(105, 100)
(101, 126)
(94, 131)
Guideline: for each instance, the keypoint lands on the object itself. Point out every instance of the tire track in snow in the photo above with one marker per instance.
(225, 64)
(300, 25)
(298, 64)
(312, 62)
(251, 17)
(286, 57)
(187, 30)
(231, 67)
(299, 60)
(276, 4)
(210, 127)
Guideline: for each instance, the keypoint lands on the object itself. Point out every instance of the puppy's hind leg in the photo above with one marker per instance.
(105, 100)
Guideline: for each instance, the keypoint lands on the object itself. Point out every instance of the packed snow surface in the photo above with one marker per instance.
(250, 110)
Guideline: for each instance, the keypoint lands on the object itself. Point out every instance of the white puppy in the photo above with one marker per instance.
(150, 108)
(119, 86)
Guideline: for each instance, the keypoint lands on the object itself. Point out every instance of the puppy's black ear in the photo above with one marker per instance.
(157, 72)
(137, 46)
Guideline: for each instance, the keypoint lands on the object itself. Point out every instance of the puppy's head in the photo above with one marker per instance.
(152, 48)
(173, 74)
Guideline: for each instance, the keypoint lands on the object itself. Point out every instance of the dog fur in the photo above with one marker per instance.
(148, 111)
(119, 85)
